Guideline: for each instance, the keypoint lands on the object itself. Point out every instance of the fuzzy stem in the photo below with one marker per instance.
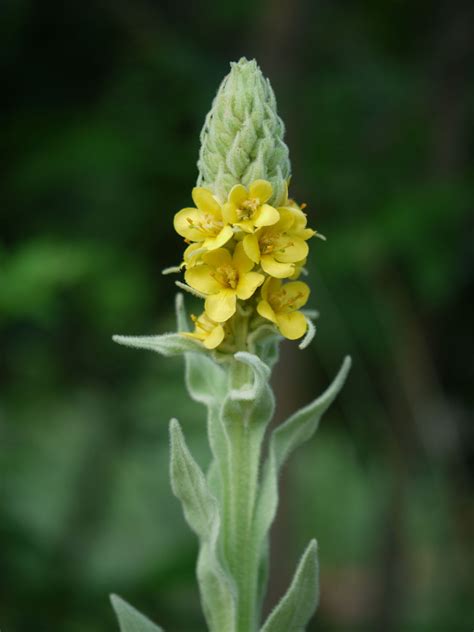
(243, 466)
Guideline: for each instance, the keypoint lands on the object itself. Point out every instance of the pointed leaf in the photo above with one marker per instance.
(166, 344)
(303, 424)
(190, 486)
(285, 438)
(130, 620)
(299, 603)
(202, 514)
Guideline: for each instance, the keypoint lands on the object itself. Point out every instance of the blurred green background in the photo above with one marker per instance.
(102, 106)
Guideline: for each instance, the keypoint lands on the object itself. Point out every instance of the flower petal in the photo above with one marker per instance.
(300, 219)
(238, 194)
(265, 310)
(296, 250)
(246, 225)
(296, 294)
(218, 257)
(270, 286)
(221, 306)
(184, 221)
(229, 213)
(191, 255)
(248, 283)
(241, 262)
(251, 247)
(222, 238)
(292, 325)
(266, 215)
(199, 277)
(261, 189)
(306, 233)
(205, 201)
(286, 219)
(215, 337)
(276, 269)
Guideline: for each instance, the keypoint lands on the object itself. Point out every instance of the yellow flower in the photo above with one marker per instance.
(224, 278)
(247, 209)
(299, 267)
(210, 333)
(205, 223)
(192, 255)
(279, 304)
(279, 247)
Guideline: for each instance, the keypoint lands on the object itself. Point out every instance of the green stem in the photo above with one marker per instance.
(245, 447)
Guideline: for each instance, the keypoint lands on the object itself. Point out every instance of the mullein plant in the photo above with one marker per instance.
(246, 243)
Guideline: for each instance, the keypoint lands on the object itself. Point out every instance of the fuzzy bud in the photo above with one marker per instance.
(242, 137)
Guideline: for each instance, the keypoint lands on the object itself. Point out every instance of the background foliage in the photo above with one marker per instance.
(102, 106)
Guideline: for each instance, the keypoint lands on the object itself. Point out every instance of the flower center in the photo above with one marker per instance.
(227, 276)
(203, 324)
(272, 241)
(247, 208)
(208, 225)
(281, 301)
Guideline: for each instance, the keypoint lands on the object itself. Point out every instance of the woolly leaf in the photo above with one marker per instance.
(166, 344)
(190, 486)
(303, 424)
(202, 514)
(287, 437)
(301, 599)
(261, 375)
(130, 620)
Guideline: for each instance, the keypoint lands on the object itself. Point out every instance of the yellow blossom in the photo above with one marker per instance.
(279, 247)
(210, 333)
(224, 278)
(192, 255)
(205, 223)
(299, 269)
(248, 209)
(279, 304)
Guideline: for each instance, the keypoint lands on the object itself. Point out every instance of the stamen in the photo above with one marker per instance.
(247, 208)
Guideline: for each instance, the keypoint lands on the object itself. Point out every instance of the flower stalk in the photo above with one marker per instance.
(246, 244)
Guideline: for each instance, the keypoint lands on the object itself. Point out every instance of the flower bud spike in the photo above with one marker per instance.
(242, 137)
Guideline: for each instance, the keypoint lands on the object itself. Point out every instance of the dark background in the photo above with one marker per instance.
(102, 106)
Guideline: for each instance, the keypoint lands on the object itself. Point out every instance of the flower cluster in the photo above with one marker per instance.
(243, 257)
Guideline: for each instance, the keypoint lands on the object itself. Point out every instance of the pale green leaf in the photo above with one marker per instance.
(261, 376)
(202, 514)
(303, 424)
(190, 486)
(166, 344)
(130, 620)
(287, 437)
(301, 599)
